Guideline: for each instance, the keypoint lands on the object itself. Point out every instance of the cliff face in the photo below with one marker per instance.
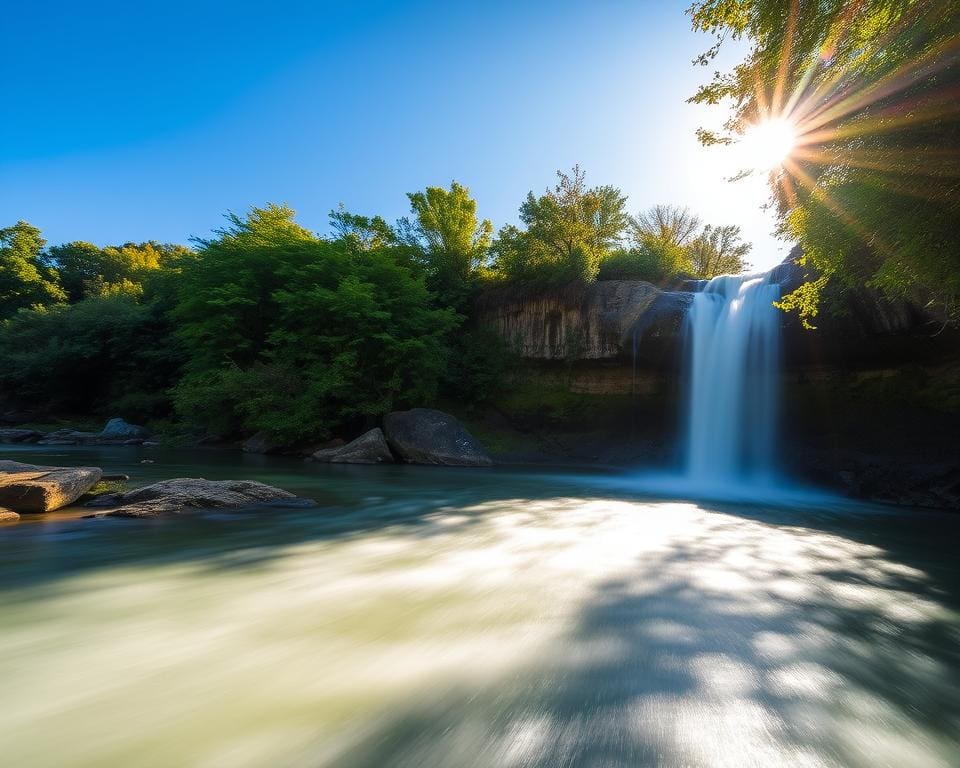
(634, 322)
(591, 322)
(607, 320)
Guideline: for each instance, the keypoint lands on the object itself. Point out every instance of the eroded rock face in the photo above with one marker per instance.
(426, 436)
(175, 496)
(591, 322)
(370, 448)
(33, 488)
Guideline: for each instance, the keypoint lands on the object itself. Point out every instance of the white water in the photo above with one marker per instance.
(733, 336)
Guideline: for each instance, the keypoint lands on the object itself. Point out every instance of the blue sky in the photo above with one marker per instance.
(132, 121)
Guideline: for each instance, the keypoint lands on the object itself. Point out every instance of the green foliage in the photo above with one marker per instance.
(664, 224)
(99, 355)
(717, 251)
(24, 279)
(361, 233)
(296, 335)
(453, 244)
(668, 241)
(569, 230)
(873, 196)
(653, 261)
(480, 363)
(86, 270)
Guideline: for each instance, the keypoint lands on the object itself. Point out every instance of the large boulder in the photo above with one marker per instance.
(118, 429)
(426, 436)
(32, 488)
(370, 448)
(172, 497)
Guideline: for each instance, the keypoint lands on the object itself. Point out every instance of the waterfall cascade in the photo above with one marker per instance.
(733, 338)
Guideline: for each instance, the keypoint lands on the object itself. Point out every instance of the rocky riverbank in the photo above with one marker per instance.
(117, 431)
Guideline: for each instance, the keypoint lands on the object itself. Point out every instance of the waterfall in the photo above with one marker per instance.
(733, 340)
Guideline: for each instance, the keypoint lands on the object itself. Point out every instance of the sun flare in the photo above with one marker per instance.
(767, 144)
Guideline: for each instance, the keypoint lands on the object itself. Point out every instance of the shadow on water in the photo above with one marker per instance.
(691, 662)
(730, 635)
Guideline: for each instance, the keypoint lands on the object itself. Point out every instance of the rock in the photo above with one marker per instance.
(426, 436)
(32, 488)
(173, 497)
(18, 417)
(8, 516)
(20, 435)
(591, 322)
(262, 443)
(370, 448)
(118, 429)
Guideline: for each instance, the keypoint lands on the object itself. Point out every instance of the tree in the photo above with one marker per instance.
(665, 224)
(297, 335)
(569, 229)
(718, 251)
(24, 279)
(86, 270)
(360, 232)
(453, 242)
(872, 191)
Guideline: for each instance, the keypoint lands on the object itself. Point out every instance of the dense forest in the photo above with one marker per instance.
(267, 326)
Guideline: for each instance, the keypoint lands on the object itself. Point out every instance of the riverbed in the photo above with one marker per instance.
(423, 617)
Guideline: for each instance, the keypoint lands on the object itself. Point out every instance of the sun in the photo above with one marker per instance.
(766, 145)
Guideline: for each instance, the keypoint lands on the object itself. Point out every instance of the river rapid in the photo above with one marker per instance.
(425, 617)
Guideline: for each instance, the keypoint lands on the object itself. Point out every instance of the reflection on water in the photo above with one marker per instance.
(426, 617)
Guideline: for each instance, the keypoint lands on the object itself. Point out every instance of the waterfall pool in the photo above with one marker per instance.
(483, 618)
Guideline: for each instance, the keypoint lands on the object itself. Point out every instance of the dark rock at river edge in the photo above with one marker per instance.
(426, 436)
(370, 448)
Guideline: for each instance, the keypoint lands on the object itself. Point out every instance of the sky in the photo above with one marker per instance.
(130, 121)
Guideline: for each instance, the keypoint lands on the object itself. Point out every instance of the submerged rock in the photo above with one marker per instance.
(175, 496)
(426, 436)
(33, 488)
(370, 448)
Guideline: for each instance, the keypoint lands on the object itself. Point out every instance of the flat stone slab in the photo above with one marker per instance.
(178, 495)
(8, 516)
(33, 488)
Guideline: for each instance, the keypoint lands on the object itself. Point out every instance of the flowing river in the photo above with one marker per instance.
(424, 617)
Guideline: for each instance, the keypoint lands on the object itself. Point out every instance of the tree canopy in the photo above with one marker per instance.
(25, 281)
(296, 335)
(872, 191)
(569, 229)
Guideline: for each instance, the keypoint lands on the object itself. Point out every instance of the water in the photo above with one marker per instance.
(446, 618)
(733, 331)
